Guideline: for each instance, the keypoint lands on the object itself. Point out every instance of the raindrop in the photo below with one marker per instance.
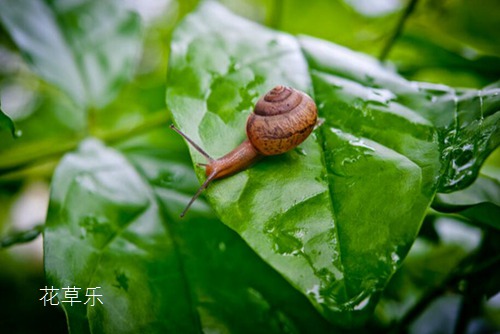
(362, 304)
(380, 97)
(122, 280)
(464, 154)
(300, 151)
(93, 224)
(480, 96)
(287, 241)
(360, 143)
(165, 179)
(350, 160)
(273, 42)
(314, 292)
(462, 162)
(222, 246)
(395, 257)
(235, 67)
(369, 79)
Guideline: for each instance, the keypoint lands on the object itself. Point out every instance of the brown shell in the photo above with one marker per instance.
(282, 119)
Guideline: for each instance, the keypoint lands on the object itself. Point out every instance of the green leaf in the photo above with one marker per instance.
(6, 123)
(437, 61)
(337, 215)
(480, 201)
(64, 44)
(113, 222)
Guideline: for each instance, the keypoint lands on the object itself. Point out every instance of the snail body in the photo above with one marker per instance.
(282, 119)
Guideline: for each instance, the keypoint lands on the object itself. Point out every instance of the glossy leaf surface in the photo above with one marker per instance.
(480, 201)
(156, 273)
(337, 215)
(64, 45)
(7, 124)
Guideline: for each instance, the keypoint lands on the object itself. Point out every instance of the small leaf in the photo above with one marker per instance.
(474, 134)
(480, 201)
(7, 123)
(64, 45)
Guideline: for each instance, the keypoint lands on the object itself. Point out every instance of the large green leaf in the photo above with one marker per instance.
(87, 49)
(113, 222)
(337, 215)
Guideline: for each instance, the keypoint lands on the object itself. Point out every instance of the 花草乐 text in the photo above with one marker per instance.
(54, 296)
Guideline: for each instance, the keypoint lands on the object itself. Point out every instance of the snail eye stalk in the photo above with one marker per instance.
(283, 110)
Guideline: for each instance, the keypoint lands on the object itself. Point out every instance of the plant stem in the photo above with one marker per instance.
(469, 306)
(53, 149)
(37, 153)
(397, 31)
(276, 14)
(21, 237)
(156, 120)
(451, 281)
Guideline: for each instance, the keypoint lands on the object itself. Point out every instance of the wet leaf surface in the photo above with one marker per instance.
(337, 215)
(64, 45)
(156, 272)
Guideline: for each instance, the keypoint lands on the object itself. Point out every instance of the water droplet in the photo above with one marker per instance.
(350, 160)
(93, 224)
(480, 96)
(360, 143)
(18, 133)
(314, 292)
(369, 79)
(122, 280)
(165, 179)
(287, 241)
(320, 179)
(462, 161)
(222, 246)
(362, 304)
(431, 98)
(395, 257)
(300, 151)
(234, 67)
(463, 155)
(380, 97)
(335, 86)
(272, 42)
(450, 137)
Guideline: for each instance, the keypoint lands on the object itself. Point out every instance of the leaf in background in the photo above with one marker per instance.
(480, 201)
(6, 123)
(439, 62)
(87, 49)
(336, 216)
(113, 222)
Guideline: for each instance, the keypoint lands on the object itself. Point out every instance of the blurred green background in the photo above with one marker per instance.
(453, 42)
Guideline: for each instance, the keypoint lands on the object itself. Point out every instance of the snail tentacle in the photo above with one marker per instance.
(282, 120)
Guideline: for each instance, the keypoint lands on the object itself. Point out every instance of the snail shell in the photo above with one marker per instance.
(282, 119)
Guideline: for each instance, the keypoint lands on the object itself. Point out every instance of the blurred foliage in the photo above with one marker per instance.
(452, 42)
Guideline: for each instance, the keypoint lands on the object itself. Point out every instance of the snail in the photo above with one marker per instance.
(282, 119)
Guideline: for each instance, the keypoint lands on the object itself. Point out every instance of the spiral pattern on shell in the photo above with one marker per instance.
(282, 119)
